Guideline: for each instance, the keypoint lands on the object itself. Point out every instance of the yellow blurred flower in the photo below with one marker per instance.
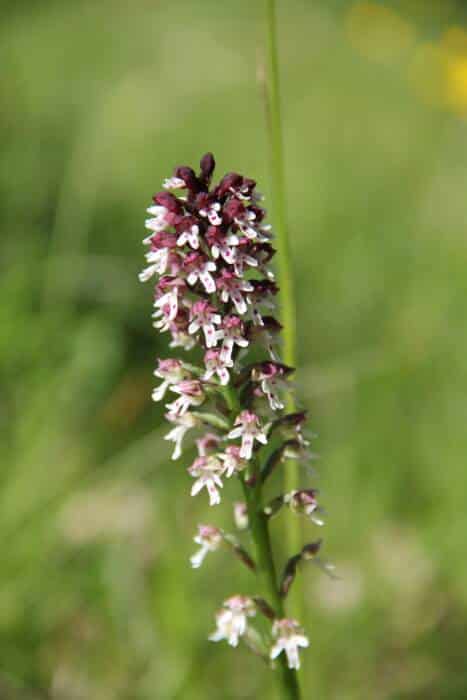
(457, 85)
(438, 72)
(454, 46)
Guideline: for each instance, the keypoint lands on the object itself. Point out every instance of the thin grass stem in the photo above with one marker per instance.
(284, 260)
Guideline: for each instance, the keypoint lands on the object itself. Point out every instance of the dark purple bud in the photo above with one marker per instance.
(271, 324)
(169, 201)
(269, 369)
(289, 573)
(163, 240)
(207, 165)
(189, 178)
(290, 449)
(258, 211)
(265, 251)
(248, 184)
(229, 182)
(244, 557)
(292, 420)
(291, 425)
(185, 224)
(275, 505)
(264, 608)
(309, 551)
(304, 498)
(233, 210)
(263, 288)
(203, 200)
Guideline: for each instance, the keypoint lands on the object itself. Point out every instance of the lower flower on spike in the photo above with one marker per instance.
(208, 472)
(232, 620)
(289, 637)
(247, 427)
(209, 538)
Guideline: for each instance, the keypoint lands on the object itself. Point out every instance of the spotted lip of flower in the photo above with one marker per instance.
(208, 472)
(248, 429)
(216, 365)
(233, 333)
(188, 232)
(198, 267)
(233, 289)
(221, 244)
(210, 209)
(289, 637)
(232, 620)
(204, 315)
(209, 538)
(169, 290)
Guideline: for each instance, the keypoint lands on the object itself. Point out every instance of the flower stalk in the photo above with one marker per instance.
(210, 250)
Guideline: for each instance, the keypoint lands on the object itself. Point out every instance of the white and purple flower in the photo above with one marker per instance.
(248, 428)
(209, 538)
(289, 638)
(183, 423)
(205, 316)
(215, 364)
(207, 471)
(198, 267)
(172, 372)
(232, 333)
(232, 460)
(232, 620)
(304, 502)
(190, 394)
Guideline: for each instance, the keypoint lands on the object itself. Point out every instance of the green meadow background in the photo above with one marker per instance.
(99, 100)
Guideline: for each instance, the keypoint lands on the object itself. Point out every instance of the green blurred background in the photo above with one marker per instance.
(99, 101)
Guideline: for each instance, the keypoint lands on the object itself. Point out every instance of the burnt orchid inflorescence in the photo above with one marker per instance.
(210, 250)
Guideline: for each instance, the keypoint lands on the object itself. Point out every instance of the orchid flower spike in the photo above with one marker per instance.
(208, 254)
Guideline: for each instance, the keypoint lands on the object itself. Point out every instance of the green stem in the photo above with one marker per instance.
(284, 264)
(265, 566)
(267, 577)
